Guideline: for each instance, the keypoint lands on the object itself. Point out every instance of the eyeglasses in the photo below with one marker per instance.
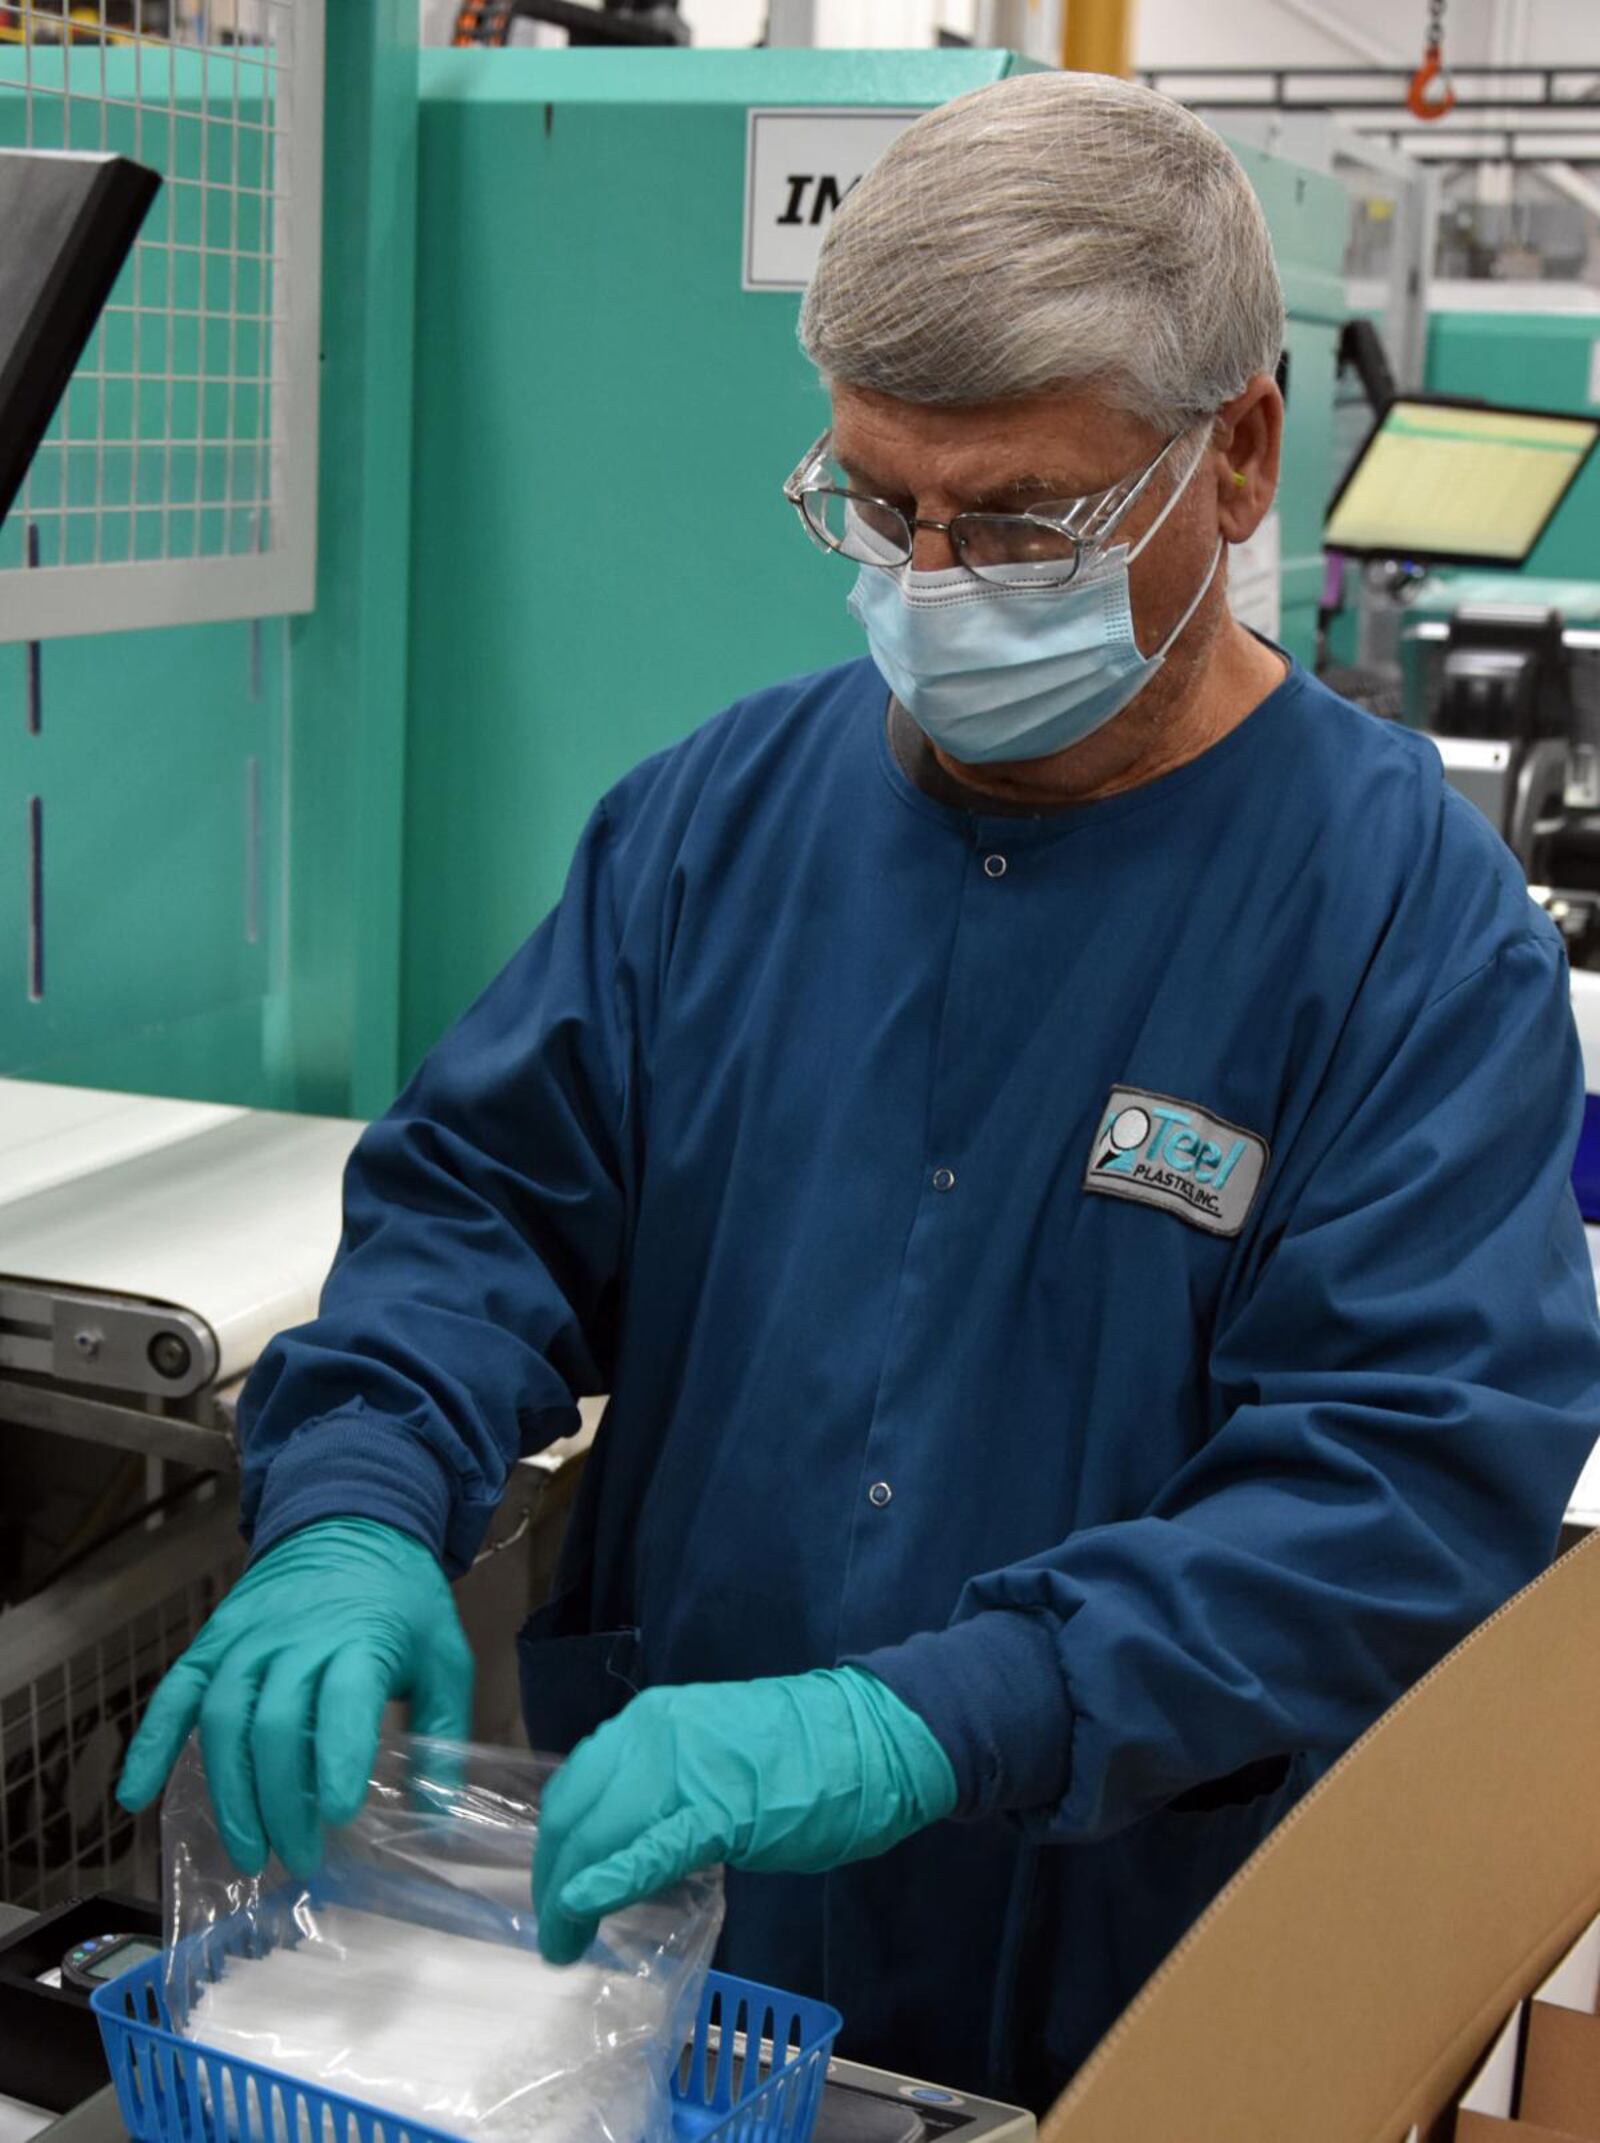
(1046, 545)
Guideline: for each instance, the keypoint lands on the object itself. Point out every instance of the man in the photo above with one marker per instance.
(1055, 1139)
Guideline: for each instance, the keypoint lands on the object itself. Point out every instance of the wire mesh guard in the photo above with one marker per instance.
(77, 1666)
(185, 442)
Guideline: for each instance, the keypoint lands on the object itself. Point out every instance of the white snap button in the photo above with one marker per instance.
(994, 866)
(880, 1494)
(944, 1179)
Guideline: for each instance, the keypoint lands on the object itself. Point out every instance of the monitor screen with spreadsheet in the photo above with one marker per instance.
(1457, 483)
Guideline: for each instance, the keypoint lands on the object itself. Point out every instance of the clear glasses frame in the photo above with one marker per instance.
(1056, 534)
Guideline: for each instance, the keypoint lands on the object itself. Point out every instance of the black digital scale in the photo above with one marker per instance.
(50, 2054)
(862, 2105)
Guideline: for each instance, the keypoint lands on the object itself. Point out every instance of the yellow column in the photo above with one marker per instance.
(1097, 36)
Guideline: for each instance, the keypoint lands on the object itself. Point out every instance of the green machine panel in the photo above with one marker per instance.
(601, 557)
(277, 858)
(140, 773)
(1306, 213)
(200, 827)
(140, 866)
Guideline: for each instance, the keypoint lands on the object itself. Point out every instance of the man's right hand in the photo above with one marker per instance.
(288, 1681)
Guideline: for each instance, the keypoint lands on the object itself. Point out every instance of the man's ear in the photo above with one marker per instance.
(1247, 442)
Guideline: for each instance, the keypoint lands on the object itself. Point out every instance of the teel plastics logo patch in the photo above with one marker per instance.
(1173, 1155)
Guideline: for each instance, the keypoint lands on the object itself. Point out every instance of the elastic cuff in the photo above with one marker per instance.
(913, 1751)
(356, 1465)
(991, 1690)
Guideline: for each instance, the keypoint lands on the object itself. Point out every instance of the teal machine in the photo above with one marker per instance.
(1449, 501)
(1455, 503)
(281, 854)
(1549, 361)
(210, 906)
(1477, 508)
(1512, 359)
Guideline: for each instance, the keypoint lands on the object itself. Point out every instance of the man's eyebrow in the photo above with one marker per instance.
(862, 478)
(1033, 487)
(992, 498)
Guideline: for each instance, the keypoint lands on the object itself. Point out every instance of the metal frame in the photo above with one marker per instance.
(1102, 512)
(1586, 637)
(76, 1662)
(1278, 95)
(46, 602)
(1318, 139)
(203, 1436)
(1370, 101)
(95, 1338)
(1415, 195)
(1485, 145)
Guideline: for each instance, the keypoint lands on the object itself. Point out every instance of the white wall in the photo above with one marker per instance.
(895, 23)
(726, 22)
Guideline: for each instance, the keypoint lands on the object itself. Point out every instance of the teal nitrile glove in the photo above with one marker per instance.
(289, 1679)
(800, 1773)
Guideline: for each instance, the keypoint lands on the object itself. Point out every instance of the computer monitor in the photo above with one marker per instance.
(67, 222)
(1447, 482)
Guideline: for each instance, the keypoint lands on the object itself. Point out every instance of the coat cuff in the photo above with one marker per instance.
(352, 1465)
(991, 1690)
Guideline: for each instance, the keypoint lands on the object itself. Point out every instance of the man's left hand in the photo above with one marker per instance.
(798, 1773)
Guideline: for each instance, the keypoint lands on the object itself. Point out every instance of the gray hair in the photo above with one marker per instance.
(1052, 230)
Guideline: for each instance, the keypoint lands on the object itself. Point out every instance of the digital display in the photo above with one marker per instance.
(1439, 480)
(111, 1964)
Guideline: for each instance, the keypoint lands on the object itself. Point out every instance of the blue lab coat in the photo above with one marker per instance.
(778, 1131)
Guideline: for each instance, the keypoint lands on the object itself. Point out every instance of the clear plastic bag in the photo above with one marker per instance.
(406, 1972)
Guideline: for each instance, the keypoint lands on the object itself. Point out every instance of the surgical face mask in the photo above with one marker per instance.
(1015, 670)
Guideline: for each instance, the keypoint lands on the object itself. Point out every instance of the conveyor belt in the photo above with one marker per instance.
(117, 1206)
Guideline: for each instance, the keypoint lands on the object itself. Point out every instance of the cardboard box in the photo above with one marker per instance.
(1561, 2072)
(1351, 1979)
(1542, 2076)
(1561, 2052)
(1486, 2107)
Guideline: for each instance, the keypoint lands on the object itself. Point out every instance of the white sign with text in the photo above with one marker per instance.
(799, 163)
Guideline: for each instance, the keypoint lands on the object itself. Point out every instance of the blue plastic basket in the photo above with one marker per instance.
(753, 2072)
